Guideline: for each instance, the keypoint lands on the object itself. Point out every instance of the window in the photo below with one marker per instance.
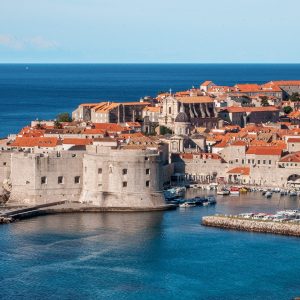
(270, 162)
(253, 161)
(237, 160)
(43, 180)
(124, 171)
(77, 179)
(60, 179)
(146, 158)
(147, 171)
(258, 162)
(99, 170)
(170, 110)
(249, 161)
(124, 183)
(243, 161)
(147, 183)
(4, 164)
(264, 161)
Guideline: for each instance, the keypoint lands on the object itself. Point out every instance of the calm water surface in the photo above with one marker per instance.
(28, 92)
(163, 255)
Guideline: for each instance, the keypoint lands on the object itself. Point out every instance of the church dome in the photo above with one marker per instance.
(182, 118)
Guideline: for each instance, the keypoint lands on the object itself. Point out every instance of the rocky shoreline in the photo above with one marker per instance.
(235, 223)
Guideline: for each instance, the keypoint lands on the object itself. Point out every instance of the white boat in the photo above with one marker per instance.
(292, 193)
(268, 194)
(234, 190)
(184, 205)
(223, 192)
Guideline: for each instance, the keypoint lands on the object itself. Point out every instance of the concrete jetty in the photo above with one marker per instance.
(61, 207)
(236, 223)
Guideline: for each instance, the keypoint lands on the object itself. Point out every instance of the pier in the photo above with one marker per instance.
(236, 223)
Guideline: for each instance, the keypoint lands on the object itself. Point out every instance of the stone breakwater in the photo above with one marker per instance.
(252, 225)
(5, 220)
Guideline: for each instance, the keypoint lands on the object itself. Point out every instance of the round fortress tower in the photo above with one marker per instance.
(128, 178)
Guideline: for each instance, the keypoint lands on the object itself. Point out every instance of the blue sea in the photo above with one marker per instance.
(162, 255)
(41, 91)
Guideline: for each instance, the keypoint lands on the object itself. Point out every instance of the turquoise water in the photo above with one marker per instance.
(28, 92)
(162, 255)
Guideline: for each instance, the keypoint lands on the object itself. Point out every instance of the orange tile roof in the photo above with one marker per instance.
(238, 143)
(195, 99)
(234, 109)
(206, 83)
(89, 104)
(152, 109)
(286, 82)
(77, 141)
(240, 171)
(109, 127)
(200, 155)
(261, 150)
(294, 157)
(133, 124)
(94, 131)
(35, 142)
(293, 140)
(135, 103)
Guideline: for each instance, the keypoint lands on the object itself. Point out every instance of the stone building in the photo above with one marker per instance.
(244, 115)
(126, 177)
(199, 109)
(110, 112)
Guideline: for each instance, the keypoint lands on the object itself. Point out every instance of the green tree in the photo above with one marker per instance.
(264, 101)
(64, 117)
(295, 97)
(57, 125)
(165, 130)
(287, 110)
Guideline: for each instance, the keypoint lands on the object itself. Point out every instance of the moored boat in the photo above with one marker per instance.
(234, 190)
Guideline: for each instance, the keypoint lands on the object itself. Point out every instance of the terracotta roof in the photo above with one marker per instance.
(240, 171)
(234, 109)
(293, 140)
(195, 99)
(238, 143)
(286, 82)
(200, 156)
(294, 157)
(89, 104)
(206, 83)
(133, 124)
(35, 142)
(152, 108)
(135, 103)
(268, 150)
(112, 127)
(75, 141)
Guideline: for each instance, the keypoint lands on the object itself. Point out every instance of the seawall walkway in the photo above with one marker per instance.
(252, 225)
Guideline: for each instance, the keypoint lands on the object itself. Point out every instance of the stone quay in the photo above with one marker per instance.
(236, 223)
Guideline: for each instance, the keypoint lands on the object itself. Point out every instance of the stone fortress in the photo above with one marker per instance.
(112, 156)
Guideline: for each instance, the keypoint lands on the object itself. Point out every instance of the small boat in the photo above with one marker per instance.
(292, 193)
(211, 200)
(234, 190)
(223, 192)
(268, 194)
(184, 205)
(243, 190)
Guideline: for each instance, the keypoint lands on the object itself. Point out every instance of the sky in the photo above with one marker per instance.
(156, 31)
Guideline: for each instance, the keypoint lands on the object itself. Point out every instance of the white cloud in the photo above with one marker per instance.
(11, 42)
(35, 42)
